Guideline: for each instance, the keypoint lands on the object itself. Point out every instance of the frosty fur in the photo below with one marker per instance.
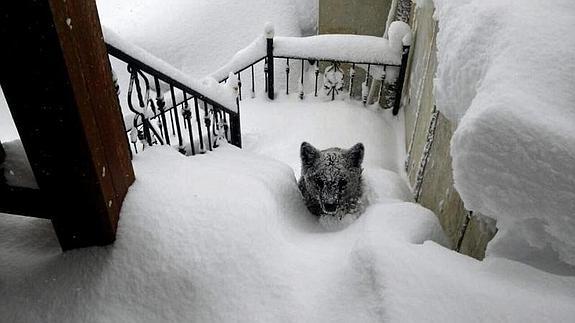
(331, 182)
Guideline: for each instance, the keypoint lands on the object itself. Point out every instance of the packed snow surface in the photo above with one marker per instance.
(505, 77)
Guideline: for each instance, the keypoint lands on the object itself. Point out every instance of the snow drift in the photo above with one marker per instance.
(505, 76)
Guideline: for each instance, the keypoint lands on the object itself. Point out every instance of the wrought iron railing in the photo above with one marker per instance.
(336, 80)
(186, 112)
(205, 121)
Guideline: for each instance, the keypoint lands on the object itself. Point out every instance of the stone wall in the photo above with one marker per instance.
(428, 136)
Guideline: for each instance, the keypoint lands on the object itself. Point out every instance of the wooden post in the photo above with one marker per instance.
(57, 81)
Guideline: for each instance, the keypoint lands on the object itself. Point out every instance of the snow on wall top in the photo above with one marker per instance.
(350, 48)
(207, 87)
(505, 76)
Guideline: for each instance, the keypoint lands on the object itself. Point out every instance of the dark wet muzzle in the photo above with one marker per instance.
(329, 207)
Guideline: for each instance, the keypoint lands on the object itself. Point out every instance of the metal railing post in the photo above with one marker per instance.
(400, 79)
(269, 32)
(235, 127)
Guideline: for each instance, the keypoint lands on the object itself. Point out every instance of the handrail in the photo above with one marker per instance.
(335, 60)
(214, 107)
(384, 59)
(119, 54)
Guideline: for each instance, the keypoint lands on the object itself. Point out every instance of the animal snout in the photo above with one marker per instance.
(330, 207)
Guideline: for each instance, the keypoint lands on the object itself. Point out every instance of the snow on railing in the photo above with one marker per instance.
(215, 105)
(343, 48)
(383, 59)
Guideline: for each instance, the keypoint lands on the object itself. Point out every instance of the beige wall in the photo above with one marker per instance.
(362, 17)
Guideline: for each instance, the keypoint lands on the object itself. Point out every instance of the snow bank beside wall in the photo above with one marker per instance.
(428, 141)
(505, 77)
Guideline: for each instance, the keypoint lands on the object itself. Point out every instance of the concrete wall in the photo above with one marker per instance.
(428, 135)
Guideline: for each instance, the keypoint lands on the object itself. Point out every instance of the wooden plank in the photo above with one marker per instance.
(57, 81)
(22, 201)
(86, 57)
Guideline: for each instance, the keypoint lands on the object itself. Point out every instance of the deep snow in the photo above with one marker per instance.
(226, 237)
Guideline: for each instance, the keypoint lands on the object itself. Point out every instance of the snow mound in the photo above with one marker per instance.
(186, 251)
(505, 76)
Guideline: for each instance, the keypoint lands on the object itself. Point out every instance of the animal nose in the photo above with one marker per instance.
(330, 207)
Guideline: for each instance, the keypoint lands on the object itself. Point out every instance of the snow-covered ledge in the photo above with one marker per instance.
(338, 47)
(505, 77)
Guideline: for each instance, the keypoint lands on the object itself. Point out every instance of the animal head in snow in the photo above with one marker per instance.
(331, 182)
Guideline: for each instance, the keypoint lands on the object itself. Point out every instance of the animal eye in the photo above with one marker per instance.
(318, 182)
(342, 183)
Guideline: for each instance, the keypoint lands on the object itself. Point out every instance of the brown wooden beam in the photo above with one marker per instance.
(57, 81)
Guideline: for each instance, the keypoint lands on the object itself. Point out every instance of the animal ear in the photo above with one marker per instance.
(355, 154)
(308, 154)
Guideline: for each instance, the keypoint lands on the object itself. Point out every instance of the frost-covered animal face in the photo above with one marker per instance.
(331, 179)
